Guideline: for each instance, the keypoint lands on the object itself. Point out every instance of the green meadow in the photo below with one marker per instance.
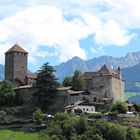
(17, 135)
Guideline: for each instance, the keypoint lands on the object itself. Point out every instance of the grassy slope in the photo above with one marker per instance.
(17, 135)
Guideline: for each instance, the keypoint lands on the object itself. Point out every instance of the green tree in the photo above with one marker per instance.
(77, 80)
(117, 133)
(131, 134)
(38, 115)
(2, 114)
(46, 79)
(7, 94)
(81, 125)
(69, 127)
(120, 107)
(67, 81)
(137, 107)
(97, 137)
(47, 84)
(101, 127)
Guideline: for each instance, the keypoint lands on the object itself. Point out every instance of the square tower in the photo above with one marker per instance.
(16, 65)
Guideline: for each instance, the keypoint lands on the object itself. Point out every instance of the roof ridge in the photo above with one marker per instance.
(16, 48)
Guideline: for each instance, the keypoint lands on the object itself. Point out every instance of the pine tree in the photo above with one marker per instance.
(47, 84)
(46, 79)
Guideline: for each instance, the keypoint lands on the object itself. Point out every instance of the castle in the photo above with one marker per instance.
(106, 85)
(102, 88)
(16, 59)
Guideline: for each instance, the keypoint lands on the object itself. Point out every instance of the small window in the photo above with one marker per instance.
(101, 86)
(87, 109)
(94, 99)
(83, 109)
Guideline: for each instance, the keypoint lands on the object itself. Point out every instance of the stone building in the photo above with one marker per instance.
(102, 89)
(16, 60)
(106, 85)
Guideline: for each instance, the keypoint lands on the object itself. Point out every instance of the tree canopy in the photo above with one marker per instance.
(7, 94)
(77, 80)
(70, 127)
(67, 81)
(47, 84)
(120, 107)
(46, 79)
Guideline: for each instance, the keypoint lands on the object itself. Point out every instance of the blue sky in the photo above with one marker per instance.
(57, 30)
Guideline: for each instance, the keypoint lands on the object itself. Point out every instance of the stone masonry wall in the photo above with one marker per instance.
(117, 88)
(15, 66)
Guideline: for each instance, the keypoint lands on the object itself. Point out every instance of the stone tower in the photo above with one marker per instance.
(16, 65)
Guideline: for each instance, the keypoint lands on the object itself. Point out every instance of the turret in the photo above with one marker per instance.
(119, 72)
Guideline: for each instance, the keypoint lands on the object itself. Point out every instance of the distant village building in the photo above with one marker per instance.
(16, 60)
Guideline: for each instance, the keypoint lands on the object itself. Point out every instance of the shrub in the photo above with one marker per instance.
(120, 107)
(38, 115)
(96, 115)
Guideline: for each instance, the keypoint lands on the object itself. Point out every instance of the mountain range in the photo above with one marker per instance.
(1, 72)
(130, 65)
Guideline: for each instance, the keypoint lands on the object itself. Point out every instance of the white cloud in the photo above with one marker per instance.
(125, 12)
(44, 25)
(111, 33)
(107, 32)
(108, 21)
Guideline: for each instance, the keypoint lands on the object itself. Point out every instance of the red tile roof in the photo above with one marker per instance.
(16, 48)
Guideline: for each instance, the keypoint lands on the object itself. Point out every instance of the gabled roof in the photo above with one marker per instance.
(16, 48)
(106, 70)
(103, 71)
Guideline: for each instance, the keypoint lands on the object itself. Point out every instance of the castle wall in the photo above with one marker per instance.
(100, 87)
(105, 88)
(26, 94)
(59, 102)
(117, 89)
(9, 60)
